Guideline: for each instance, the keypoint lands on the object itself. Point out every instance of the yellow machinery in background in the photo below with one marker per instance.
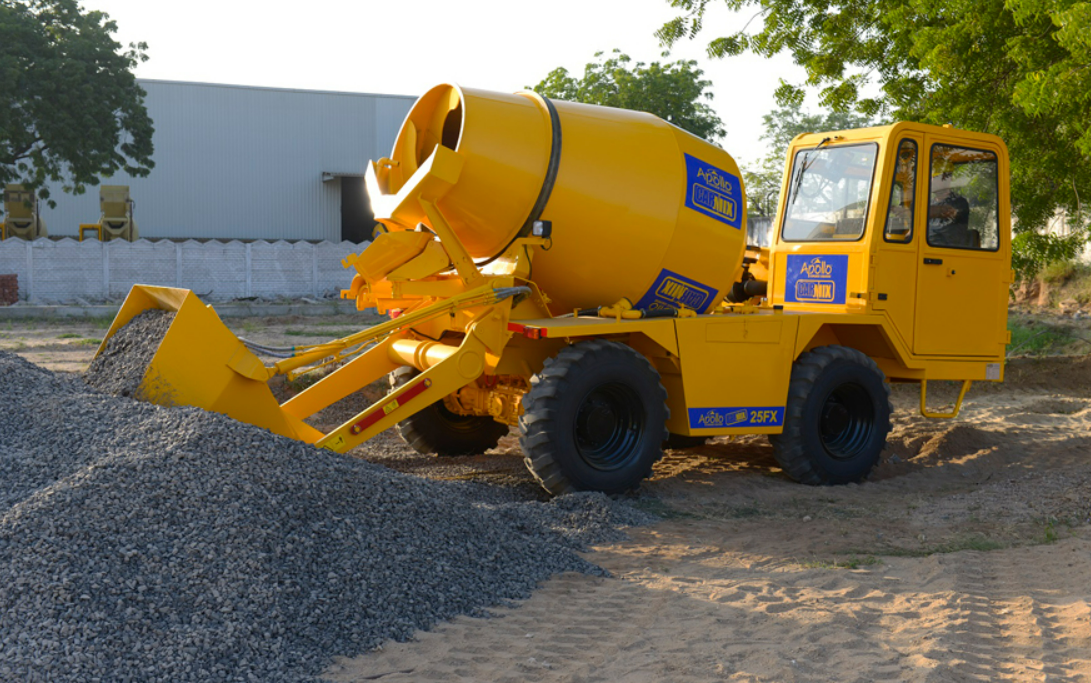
(116, 220)
(21, 217)
(582, 273)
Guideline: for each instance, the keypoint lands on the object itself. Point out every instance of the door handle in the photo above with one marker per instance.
(933, 262)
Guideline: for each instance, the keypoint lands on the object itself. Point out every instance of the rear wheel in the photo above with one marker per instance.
(437, 430)
(594, 419)
(837, 417)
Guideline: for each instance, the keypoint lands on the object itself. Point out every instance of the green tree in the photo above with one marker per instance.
(1018, 68)
(781, 125)
(72, 111)
(675, 92)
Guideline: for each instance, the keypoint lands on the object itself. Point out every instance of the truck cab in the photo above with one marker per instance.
(910, 221)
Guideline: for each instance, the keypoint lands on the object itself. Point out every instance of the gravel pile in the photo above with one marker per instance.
(140, 543)
(121, 366)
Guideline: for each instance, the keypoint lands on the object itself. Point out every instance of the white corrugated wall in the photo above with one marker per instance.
(235, 162)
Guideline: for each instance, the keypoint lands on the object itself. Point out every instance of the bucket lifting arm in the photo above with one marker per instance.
(454, 368)
(199, 362)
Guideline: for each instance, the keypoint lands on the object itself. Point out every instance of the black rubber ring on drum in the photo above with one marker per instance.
(547, 185)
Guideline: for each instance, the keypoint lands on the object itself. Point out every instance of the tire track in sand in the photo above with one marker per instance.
(1021, 619)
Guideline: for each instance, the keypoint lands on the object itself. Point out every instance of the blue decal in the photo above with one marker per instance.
(671, 290)
(713, 192)
(719, 418)
(816, 279)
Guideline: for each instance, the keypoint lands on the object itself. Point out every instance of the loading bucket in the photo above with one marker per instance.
(199, 362)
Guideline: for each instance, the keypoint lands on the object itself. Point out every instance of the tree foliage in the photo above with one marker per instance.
(781, 125)
(1018, 68)
(72, 111)
(1032, 251)
(675, 91)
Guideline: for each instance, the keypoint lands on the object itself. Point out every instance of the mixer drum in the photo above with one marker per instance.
(639, 208)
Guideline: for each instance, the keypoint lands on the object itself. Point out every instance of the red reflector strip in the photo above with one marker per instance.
(390, 406)
(527, 331)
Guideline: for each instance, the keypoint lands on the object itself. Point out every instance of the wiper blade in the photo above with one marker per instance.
(803, 168)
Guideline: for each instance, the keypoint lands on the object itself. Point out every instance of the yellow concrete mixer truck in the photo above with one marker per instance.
(582, 273)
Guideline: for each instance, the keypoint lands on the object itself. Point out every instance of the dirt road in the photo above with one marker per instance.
(964, 558)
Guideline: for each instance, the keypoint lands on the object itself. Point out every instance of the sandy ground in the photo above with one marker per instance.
(965, 557)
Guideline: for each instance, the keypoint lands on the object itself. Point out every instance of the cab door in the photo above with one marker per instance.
(894, 270)
(965, 254)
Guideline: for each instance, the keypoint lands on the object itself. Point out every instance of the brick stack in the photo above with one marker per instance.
(9, 289)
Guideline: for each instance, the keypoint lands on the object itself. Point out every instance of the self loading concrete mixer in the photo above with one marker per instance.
(21, 217)
(116, 221)
(116, 218)
(582, 273)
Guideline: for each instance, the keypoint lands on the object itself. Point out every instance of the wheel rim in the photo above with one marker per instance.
(608, 425)
(847, 421)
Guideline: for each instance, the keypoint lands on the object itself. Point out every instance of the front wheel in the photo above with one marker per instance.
(837, 417)
(437, 430)
(594, 419)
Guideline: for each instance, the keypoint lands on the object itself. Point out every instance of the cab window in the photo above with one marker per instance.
(963, 204)
(828, 193)
(899, 215)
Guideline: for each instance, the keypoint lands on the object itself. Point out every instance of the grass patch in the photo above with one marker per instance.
(69, 335)
(89, 341)
(976, 542)
(1059, 272)
(979, 543)
(1049, 532)
(1031, 337)
(854, 562)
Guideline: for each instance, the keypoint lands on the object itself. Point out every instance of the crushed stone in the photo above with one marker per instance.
(119, 369)
(141, 543)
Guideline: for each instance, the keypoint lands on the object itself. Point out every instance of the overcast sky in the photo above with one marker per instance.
(406, 46)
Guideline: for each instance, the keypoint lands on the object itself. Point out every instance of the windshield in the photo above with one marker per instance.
(828, 193)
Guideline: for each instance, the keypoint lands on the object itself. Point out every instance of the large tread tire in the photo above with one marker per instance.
(573, 433)
(837, 417)
(435, 430)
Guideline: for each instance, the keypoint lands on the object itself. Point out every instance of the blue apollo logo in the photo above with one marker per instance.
(816, 279)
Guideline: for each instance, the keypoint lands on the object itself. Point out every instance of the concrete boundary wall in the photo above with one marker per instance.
(63, 271)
